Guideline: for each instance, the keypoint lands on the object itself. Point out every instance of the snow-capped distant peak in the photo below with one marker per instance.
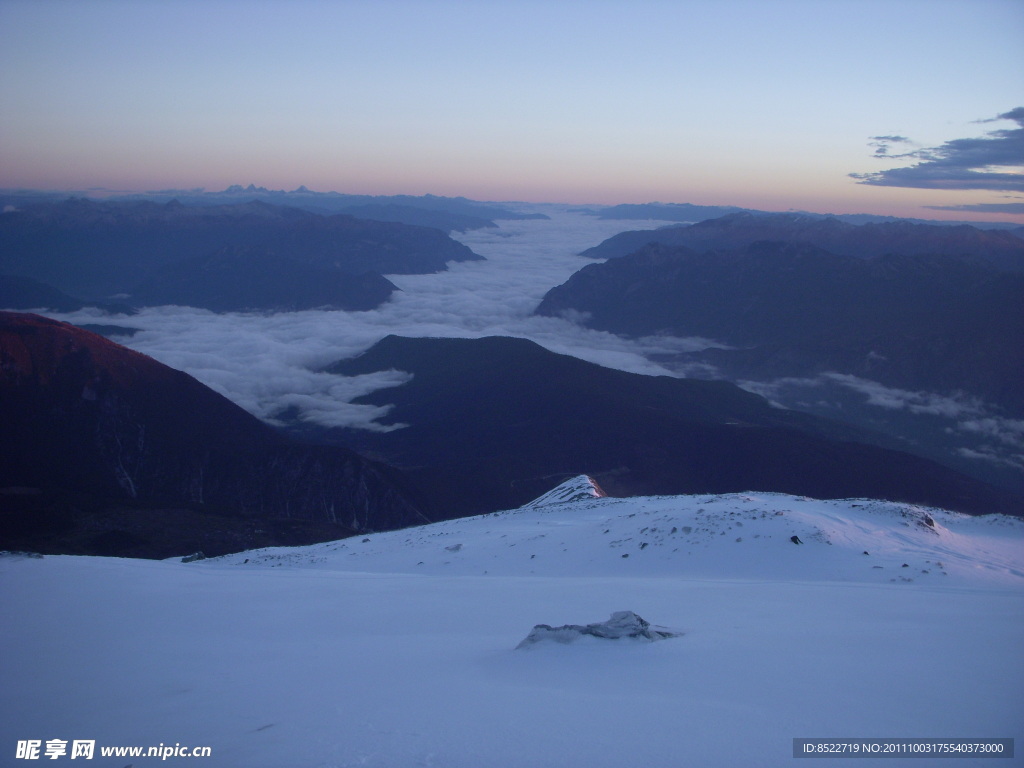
(577, 488)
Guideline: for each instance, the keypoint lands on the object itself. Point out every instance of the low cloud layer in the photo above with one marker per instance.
(273, 363)
(1007, 209)
(914, 402)
(971, 428)
(979, 163)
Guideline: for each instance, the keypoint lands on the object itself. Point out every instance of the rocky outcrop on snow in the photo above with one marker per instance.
(622, 624)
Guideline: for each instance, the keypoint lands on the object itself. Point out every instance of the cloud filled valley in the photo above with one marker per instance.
(272, 363)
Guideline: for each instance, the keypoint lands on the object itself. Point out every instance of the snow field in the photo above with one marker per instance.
(323, 658)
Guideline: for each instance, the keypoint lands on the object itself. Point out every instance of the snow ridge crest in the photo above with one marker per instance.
(579, 488)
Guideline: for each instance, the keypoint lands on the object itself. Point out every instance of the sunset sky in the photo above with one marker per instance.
(768, 105)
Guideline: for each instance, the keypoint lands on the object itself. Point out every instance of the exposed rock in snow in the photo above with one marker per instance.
(621, 624)
(575, 489)
(19, 554)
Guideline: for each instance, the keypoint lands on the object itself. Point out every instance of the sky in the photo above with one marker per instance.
(814, 105)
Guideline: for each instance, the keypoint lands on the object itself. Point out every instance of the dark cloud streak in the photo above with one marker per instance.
(957, 164)
(883, 146)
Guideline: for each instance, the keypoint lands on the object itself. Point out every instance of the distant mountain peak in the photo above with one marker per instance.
(579, 488)
(235, 189)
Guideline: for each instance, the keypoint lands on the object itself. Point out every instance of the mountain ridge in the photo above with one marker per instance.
(490, 420)
(723, 536)
(997, 248)
(92, 430)
(933, 323)
(95, 249)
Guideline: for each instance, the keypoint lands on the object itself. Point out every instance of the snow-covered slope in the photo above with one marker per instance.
(579, 488)
(399, 649)
(574, 530)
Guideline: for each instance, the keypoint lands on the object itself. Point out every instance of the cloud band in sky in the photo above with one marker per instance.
(958, 164)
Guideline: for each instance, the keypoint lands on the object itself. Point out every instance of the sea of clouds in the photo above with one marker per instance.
(273, 363)
(954, 426)
(268, 363)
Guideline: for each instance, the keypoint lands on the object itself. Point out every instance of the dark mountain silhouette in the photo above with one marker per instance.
(940, 324)
(25, 293)
(997, 248)
(449, 214)
(96, 249)
(690, 213)
(493, 422)
(421, 217)
(257, 278)
(667, 211)
(337, 202)
(107, 451)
